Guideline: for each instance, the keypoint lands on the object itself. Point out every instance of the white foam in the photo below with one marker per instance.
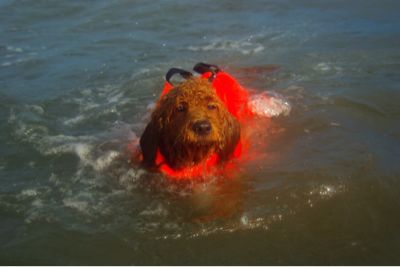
(14, 49)
(37, 203)
(130, 177)
(29, 192)
(243, 46)
(323, 67)
(151, 106)
(74, 120)
(326, 191)
(37, 109)
(116, 98)
(104, 161)
(90, 106)
(82, 146)
(79, 205)
(327, 67)
(60, 144)
(159, 211)
(245, 222)
(269, 106)
(86, 92)
(54, 178)
(82, 150)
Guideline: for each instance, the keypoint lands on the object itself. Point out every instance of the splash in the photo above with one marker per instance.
(267, 105)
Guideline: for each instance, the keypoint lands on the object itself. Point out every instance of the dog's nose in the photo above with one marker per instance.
(202, 127)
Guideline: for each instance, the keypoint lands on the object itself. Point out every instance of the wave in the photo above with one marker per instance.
(244, 47)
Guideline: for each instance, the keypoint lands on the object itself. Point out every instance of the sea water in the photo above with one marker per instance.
(77, 79)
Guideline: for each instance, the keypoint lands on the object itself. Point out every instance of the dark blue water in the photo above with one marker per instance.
(76, 80)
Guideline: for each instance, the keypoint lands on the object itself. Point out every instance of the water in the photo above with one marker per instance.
(76, 80)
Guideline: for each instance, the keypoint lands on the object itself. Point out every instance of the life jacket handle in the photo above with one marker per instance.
(202, 68)
(171, 72)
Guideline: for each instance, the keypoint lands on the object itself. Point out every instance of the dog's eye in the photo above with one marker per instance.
(212, 106)
(181, 107)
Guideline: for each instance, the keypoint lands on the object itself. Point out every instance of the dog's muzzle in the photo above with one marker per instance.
(202, 127)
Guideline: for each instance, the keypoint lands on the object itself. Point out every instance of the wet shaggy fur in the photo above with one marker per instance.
(189, 124)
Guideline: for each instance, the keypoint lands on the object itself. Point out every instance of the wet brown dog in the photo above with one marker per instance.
(190, 123)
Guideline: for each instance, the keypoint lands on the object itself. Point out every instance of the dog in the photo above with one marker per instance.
(189, 125)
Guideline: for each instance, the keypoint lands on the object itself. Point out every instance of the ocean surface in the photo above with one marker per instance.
(77, 79)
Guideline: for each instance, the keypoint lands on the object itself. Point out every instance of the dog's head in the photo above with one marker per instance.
(189, 123)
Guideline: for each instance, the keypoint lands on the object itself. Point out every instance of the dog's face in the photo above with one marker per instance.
(189, 124)
(193, 115)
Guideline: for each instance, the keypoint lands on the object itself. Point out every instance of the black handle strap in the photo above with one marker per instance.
(171, 72)
(203, 68)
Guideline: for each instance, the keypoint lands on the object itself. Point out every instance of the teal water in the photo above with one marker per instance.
(76, 81)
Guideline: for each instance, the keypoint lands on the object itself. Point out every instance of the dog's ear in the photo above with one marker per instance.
(149, 143)
(231, 140)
